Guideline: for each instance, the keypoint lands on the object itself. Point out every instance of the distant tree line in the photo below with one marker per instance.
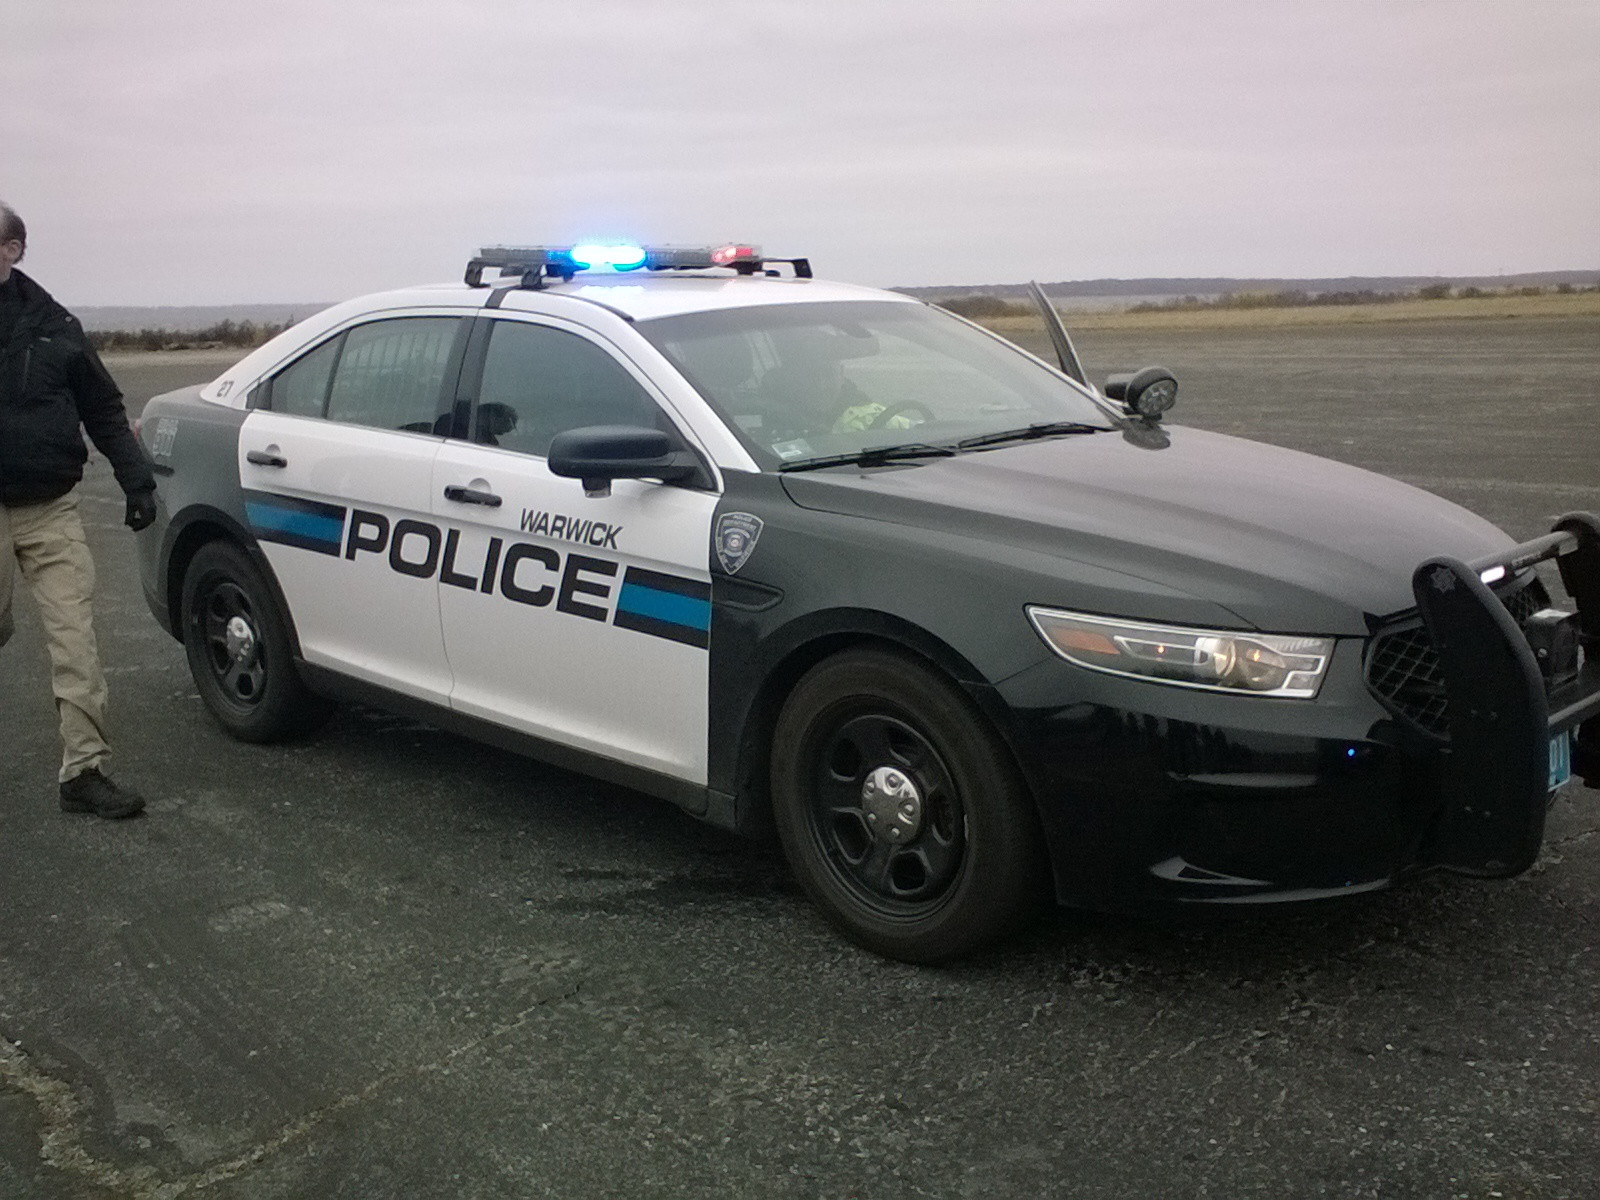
(1296, 298)
(238, 334)
(983, 306)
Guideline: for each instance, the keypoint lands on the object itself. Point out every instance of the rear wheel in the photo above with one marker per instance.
(239, 649)
(900, 810)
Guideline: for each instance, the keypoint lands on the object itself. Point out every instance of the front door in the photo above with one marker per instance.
(580, 619)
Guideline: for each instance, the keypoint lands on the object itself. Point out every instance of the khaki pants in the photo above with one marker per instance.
(46, 541)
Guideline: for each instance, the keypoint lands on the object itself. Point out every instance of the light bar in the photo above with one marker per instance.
(620, 256)
(535, 263)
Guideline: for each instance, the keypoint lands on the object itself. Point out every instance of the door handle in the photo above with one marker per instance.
(263, 459)
(466, 495)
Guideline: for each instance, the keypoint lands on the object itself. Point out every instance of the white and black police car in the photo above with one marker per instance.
(965, 630)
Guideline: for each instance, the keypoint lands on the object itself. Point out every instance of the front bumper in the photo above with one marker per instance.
(1153, 795)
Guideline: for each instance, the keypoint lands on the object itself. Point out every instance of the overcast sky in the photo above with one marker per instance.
(200, 151)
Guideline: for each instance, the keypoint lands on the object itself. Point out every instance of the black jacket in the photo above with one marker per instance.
(52, 382)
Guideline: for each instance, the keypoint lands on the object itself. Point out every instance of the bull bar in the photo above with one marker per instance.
(1503, 713)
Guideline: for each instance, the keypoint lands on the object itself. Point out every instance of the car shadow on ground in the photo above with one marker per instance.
(626, 854)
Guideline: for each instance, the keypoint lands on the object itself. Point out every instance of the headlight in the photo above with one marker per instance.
(1259, 664)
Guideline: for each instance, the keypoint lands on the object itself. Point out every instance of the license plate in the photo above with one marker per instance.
(1560, 759)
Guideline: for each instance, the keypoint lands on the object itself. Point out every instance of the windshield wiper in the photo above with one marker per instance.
(875, 456)
(1028, 433)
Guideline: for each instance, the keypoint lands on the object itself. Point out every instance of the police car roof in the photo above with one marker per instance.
(641, 296)
(637, 296)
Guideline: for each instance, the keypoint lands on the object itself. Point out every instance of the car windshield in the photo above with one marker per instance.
(799, 382)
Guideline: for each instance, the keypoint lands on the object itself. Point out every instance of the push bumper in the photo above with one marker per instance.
(1511, 709)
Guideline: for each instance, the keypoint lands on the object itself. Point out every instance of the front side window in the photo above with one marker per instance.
(538, 382)
(391, 374)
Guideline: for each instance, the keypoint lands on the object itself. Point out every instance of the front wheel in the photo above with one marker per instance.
(901, 812)
(239, 650)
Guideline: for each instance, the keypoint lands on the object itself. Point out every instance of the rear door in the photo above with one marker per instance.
(337, 467)
(581, 619)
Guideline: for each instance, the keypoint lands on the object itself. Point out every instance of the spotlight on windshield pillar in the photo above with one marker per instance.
(1147, 393)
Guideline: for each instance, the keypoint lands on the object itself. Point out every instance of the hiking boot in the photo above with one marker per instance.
(92, 792)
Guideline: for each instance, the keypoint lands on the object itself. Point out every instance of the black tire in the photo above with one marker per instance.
(864, 735)
(239, 649)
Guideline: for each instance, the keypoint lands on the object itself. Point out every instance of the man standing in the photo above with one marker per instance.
(51, 383)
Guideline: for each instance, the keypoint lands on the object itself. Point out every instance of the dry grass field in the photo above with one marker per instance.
(1492, 307)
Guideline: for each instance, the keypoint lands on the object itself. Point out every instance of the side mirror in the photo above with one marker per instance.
(597, 454)
(1148, 393)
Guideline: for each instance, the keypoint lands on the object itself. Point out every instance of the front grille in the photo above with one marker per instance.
(1524, 603)
(1403, 670)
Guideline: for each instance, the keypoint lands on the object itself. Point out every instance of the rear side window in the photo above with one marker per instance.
(302, 389)
(538, 382)
(390, 374)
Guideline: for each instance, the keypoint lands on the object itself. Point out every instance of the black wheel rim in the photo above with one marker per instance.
(909, 877)
(230, 642)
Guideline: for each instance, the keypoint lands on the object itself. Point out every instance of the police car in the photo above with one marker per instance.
(968, 632)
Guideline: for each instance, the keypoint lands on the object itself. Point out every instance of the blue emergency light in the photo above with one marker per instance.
(618, 258)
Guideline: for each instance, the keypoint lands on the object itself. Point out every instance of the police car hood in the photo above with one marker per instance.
(1285, 541)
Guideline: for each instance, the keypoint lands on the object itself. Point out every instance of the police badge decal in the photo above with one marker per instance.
(737, 534)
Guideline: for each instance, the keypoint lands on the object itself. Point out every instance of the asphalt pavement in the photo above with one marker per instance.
(387, 962)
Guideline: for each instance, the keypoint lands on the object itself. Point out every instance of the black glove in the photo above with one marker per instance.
(141, 510)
